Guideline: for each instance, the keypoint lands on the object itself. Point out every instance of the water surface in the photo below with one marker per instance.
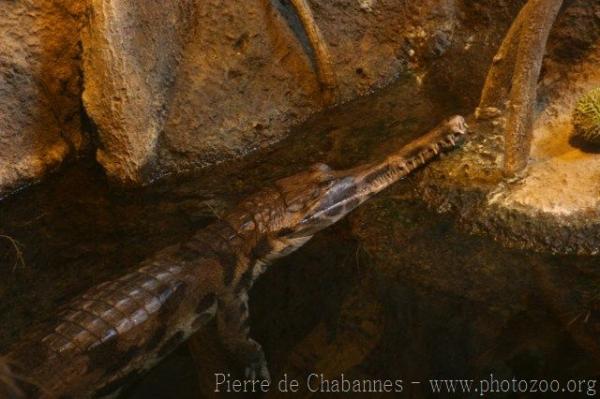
(394, 291)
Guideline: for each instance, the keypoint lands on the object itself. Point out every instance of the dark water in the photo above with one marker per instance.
(395, 291)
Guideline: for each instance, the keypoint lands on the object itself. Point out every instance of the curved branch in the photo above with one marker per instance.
(324, 65)
(498, 81)
(532, 44)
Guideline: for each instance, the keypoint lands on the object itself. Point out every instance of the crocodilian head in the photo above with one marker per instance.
(317, 198)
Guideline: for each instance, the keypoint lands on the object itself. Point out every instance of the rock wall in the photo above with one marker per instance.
(171, 86)
(223, 78)
(40, 87)
(132, 55)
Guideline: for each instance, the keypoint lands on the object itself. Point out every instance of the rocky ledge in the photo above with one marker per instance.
(551, 206)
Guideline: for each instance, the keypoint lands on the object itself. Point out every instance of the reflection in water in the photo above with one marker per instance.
(394, 291)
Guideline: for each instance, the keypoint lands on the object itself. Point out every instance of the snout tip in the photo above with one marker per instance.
(457, 124)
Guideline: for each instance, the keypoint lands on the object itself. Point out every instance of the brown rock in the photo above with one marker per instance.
(181, 85)
(223, 79)
(39, 88)
(131, 56)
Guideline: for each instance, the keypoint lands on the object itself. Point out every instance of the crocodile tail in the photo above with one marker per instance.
(118, 329)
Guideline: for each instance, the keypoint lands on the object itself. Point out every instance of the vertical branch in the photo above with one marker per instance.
(498, 80)
(532, 44)
(323, 62)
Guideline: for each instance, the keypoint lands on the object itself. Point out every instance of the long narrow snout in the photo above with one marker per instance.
(375, 177)
(352, 187)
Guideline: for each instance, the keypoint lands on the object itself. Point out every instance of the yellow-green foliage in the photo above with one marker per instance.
(586, 117)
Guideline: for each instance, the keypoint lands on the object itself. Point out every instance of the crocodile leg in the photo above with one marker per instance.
(233, 327)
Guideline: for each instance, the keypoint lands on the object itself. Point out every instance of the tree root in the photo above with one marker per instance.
(523, 93)
(513, 78)
(324, 65)
(498, 81)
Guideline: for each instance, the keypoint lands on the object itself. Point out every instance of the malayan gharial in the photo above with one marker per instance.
(119, 329)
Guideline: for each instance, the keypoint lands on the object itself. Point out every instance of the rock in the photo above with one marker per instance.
(223, 79)
(40, 86)
(171, 87)
(131, 56)
(552, 206)
(192, 91)
(489, 295)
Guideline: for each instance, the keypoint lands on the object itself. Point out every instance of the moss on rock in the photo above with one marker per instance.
(586, 117)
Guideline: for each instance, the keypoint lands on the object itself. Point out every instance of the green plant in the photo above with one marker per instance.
(586, 117)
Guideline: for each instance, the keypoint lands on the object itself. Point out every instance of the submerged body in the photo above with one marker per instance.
(121, 328)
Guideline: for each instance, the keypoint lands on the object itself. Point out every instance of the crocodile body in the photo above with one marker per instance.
(120, 328)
